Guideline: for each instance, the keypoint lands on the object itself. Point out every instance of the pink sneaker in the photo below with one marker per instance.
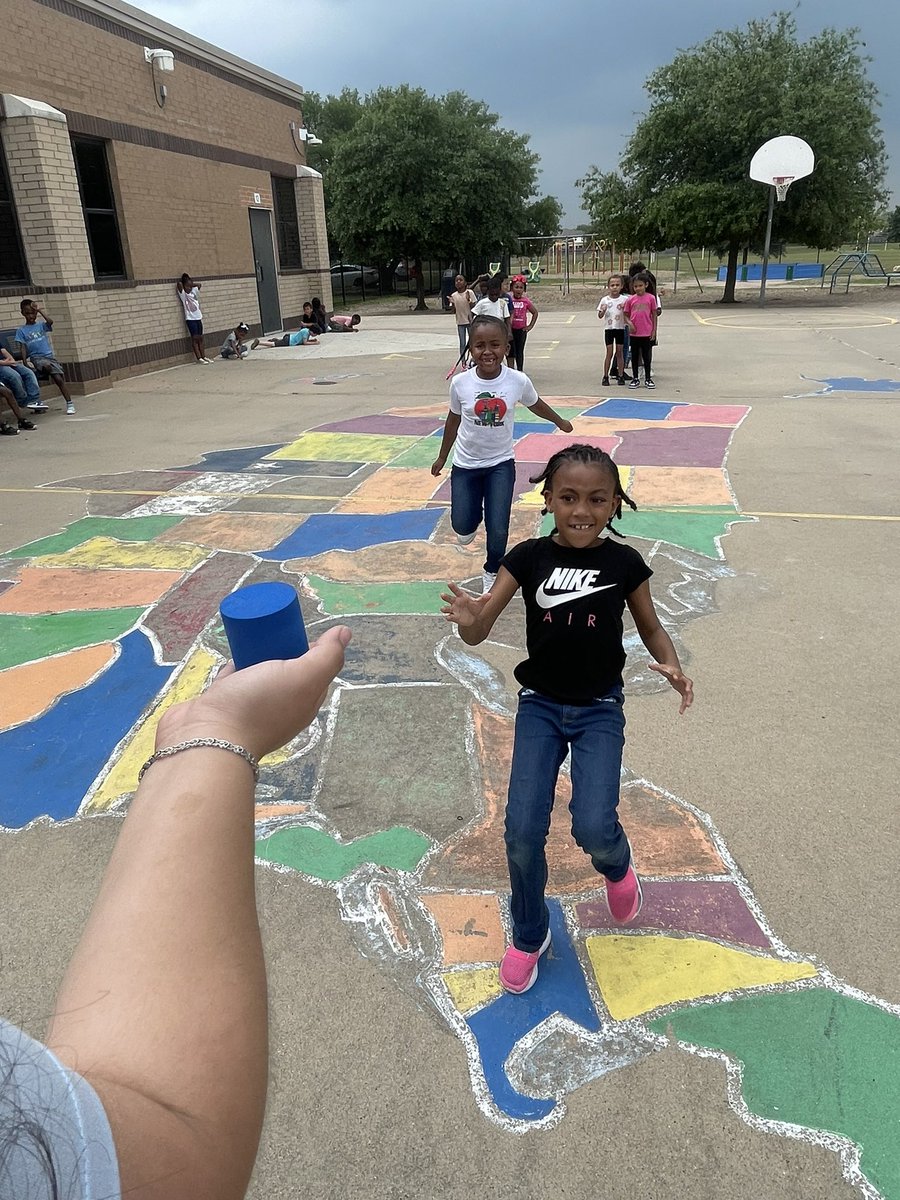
(625, 897)
(519, 970)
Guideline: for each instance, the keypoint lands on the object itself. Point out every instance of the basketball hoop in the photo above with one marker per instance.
(781, 183)
(779, 162)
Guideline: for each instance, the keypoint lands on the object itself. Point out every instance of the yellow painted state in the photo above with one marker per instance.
(470, 989)
(110, 552)
(392, 489)
(345, 447)
(122, 778)
(638, 974)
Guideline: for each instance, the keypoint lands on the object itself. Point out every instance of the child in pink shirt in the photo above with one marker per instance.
(640, 318)
(524, 315)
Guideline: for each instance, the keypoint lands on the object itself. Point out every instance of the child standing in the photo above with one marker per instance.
(640, 317)
(461, 302)
(575, 584)
(34, 344)
(189, 295)
(480, 422)
(495, 304)
(611, 311)
(523, 319)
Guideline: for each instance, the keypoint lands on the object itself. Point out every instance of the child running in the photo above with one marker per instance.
(480, 422)
(640, 317)
(611, 311)
(575, 584)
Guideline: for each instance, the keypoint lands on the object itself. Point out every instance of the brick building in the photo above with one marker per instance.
(119, 169)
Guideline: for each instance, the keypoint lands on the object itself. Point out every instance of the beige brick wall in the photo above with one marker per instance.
(177, 212)
(84, 69)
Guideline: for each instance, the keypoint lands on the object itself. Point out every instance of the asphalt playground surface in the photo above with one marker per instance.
(789, 747)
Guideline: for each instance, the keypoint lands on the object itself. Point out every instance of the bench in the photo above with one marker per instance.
(8, 341)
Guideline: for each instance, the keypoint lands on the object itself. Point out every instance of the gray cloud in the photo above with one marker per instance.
(571, 75)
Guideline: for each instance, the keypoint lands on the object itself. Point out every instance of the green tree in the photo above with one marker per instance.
(542, 218)
(892, 225)
(684, 175)
(424, 176)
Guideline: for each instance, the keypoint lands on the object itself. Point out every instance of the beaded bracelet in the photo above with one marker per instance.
(197, 743)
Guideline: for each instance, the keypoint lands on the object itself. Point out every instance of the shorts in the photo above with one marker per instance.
(195, 328)
(614, 336)
(44, 364)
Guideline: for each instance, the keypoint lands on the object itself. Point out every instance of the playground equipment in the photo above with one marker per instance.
(863, 263)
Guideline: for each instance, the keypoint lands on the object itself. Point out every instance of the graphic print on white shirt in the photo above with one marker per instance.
(565, 584)
(614, 317)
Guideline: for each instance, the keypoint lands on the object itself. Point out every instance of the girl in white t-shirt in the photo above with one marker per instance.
(189, 295)
(481, 424)
(611, 313)
(462, 301)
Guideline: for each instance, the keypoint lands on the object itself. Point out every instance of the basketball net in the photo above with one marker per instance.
(781, 184)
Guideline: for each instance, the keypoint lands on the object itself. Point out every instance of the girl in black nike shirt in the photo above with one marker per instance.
(575, 584)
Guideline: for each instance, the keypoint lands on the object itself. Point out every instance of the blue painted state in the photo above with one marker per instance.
(853, 384)
(354, 531)
(560, 988)
(49, 763)
(635, 410)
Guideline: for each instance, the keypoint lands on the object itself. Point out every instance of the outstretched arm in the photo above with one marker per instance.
(543, 410)
(658, 642)
(474, 616)
(163, 1006)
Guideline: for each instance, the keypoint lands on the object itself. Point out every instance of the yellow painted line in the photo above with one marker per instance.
(570, 320)
(141, 492)
(820, 516)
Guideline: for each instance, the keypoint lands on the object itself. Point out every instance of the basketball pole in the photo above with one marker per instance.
(765, 262)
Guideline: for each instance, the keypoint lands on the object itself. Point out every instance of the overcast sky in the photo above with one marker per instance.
(568, 73)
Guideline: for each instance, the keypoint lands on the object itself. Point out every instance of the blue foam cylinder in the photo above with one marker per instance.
(263, 622)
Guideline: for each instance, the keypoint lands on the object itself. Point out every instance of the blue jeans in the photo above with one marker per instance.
(545, 731)
(474, 490)
(21, 381)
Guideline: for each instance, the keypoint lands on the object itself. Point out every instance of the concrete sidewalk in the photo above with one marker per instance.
(382, 1083)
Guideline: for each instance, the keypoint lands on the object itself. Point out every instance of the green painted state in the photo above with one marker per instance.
(26, 638)
(341, 598)
(694, 529)
(422, 454)
(524, 416)
(320, 855)
(814, 1058)
(123, 529)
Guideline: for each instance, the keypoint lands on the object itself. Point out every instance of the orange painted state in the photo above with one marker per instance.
(29, 690)
(232, 531)
(61, 589)
(667, 839)
(470, 926)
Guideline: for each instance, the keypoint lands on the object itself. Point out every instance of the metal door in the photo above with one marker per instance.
(264, 262)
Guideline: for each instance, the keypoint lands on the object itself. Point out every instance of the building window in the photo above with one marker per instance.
(12, 260)
(286, 226)
(99, 207)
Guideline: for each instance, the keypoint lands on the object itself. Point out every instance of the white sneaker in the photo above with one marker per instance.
(466, 539)
(70, 408)
(488, 579)
(206, 360)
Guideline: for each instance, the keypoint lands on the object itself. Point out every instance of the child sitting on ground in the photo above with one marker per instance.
(234, 345)
(299, 337)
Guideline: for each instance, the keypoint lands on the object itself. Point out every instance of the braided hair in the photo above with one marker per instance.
(581, 452)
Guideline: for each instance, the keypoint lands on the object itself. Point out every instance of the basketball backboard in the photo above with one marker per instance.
(781, 161)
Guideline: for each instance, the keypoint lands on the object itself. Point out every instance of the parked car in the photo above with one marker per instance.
(354, 275)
